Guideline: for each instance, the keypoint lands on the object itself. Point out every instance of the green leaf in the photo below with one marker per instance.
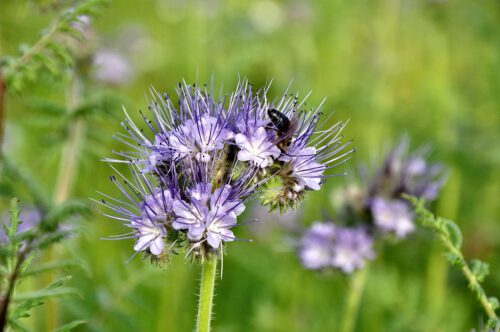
(454, 233)
(17, 326)
(480, 269)
(59, 282)
(62, 53)
(493, 324)
(49, 55)
(494, 302)
(46, 293)
(70, 326)
(11, 230)
(45, 267)
(453, 258)
(50, 239)
(55, 289)
(23, 310)
(64, 211)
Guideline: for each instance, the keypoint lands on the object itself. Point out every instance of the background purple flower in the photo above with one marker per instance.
(392, 216)
(111, 67)
(353, 247)
(409, 173)
(326, 245)
(316, 248)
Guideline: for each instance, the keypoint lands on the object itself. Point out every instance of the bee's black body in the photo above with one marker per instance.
(279, 120)
(284, 126)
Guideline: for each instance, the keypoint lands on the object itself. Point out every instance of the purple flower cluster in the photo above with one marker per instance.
(195, 165)
(401, 173)
(375, 210)
(327, 245)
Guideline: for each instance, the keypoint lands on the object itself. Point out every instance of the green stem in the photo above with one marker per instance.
(38, 47)
(207, 286)
(71, 150)
(353, 300)
(443, 228)
(473, 282)
(3, 92)
(68, 168)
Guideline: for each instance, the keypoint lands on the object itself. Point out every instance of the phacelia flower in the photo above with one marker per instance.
(392, 216)
(256, 148)
(112, 68)
(305, 170)
(408, 173)
(326, 245)
(401, 173)
(145, 209)
(158, 206)
(199, 137)
(209, 215)
(317, 246)
(195, 165)
(353, 247)
(150, 235)
(368, 210)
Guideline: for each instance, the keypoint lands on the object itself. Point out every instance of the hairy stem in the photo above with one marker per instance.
(71, 150)
(451, 237)
(68, 167)
(353, 300)
(207, 286)
(3, 92)
(474, 284)
(12, 280)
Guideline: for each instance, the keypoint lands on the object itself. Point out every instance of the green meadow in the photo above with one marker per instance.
(427, 69)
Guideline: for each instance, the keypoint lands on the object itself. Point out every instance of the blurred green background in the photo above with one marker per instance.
(427, 68)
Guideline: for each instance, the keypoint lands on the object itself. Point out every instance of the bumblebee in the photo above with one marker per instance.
(284, 127)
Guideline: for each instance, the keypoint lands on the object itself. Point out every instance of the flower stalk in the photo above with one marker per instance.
(356, 289)
(207, 286)
(69, 160)
(451, 237)
(3, 92)
(68, 167)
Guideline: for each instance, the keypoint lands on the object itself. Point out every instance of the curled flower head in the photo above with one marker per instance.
(195, 165)
(326, 245)
(401, 173)
(408, 173)
(378, 203)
